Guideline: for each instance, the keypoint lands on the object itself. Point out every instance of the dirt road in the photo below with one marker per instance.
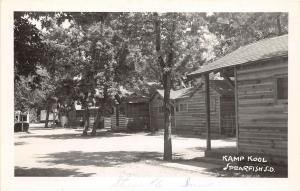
(64, 152)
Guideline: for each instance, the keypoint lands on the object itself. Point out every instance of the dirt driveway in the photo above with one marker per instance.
(64, 152)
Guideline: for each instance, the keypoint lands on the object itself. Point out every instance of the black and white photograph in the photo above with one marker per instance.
(135, 94)
(101, 93)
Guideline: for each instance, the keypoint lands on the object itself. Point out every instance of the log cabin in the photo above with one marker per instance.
(260, 73)
(76, 116)
(131, 114)
(188, 111)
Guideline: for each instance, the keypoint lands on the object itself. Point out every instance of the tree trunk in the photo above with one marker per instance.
(54, 119)
(103, 107)
(166, 70)
(167, 118)
(279, 25)
(47, 116)
(86, 121)
(96, 123)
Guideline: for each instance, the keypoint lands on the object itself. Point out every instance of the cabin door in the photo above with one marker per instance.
(228, 124)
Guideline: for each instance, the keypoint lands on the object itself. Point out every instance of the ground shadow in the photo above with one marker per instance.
(213, 137)
(48, 172)
(76, 136)
(184, 136)
(104, 159)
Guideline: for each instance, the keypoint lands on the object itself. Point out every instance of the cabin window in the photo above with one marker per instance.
(282, 88)
(177, 108)
(183, 107)
(122, 109)
(24, 118)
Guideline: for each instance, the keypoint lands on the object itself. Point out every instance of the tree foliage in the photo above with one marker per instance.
(28, 49)
(237, 29)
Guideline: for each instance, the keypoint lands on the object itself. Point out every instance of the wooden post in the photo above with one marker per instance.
(22, 129)
(236, 110)
(207, 106)
(149, 109)
(117, 116)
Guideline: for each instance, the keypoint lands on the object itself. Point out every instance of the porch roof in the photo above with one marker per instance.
(260, 50)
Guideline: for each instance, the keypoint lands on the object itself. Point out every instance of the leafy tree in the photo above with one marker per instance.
(28, 49)
(28, 57)
(237, 29)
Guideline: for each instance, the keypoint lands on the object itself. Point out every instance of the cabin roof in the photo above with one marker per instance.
(260, 50)
(176, 94)
(137, 98)
(221, 87)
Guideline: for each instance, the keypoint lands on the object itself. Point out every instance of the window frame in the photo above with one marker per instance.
(276, 99)
(180, 108)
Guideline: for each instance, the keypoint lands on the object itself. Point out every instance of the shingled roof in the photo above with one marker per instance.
(221, 86)
(260, 50)
(176, 94)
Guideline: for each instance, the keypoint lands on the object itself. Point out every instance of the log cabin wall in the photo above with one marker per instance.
(73, 121)
(137, 116)
(132, 116)
(192, 120)
(262, 115)
(122, 119)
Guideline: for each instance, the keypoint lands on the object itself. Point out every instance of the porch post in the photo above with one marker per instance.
(207, 106)
(236, 110)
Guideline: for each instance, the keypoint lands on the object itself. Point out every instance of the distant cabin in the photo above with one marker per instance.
(76, 117)
(21, 121)
(260, 70)
(188, 111)
(43, 116)
(131, 114)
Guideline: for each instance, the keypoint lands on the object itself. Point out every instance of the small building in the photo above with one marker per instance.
(188, 111)
(76, 117)
(131, 114)
(260, 72)
(43, 115)
(21, 121)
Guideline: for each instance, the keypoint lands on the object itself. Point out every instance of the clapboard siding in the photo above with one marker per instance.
(192, 121)
(122, 122)
(262, 119)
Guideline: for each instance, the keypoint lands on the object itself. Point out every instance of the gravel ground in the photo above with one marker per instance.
(64, 152)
